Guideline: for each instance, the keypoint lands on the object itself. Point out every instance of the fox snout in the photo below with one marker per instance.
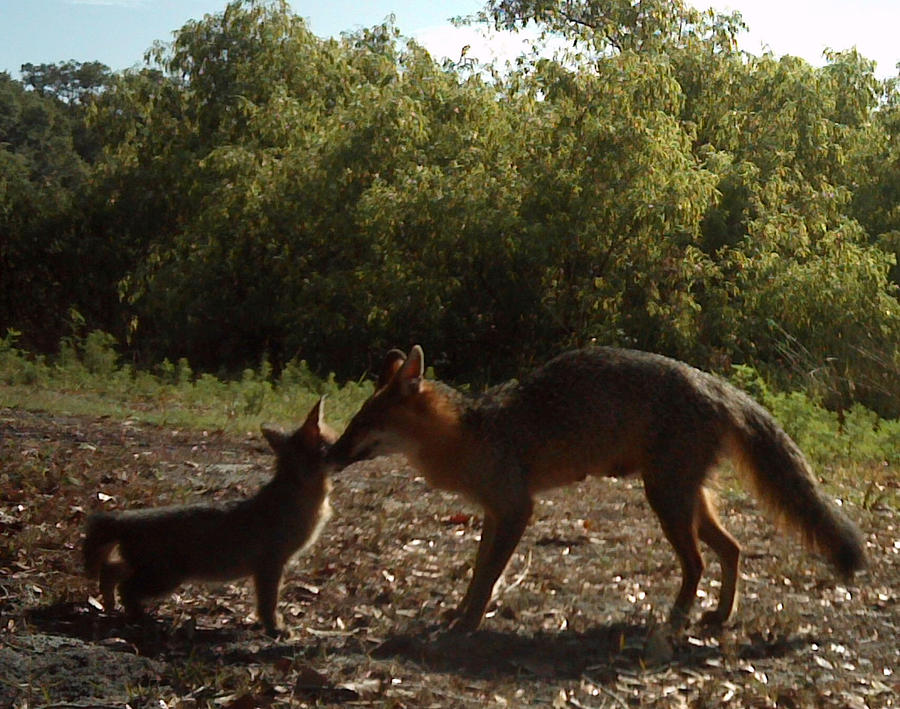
(346, 452)
(375, 429)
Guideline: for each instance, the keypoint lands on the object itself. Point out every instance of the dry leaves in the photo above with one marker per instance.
(574, 623)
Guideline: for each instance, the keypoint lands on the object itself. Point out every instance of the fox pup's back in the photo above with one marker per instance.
(211, 541)
(159, 548)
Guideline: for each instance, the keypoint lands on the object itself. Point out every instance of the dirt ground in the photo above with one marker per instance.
(575, 623)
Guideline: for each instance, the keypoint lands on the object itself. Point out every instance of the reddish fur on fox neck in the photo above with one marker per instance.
(440, 445)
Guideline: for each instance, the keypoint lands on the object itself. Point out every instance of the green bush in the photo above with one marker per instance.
(16, 366)
(98, 353)
(857, 434)
(171, 393)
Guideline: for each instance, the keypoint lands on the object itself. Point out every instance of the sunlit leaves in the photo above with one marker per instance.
(263, 192)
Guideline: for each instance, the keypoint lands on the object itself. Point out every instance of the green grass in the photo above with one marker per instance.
(86, 379)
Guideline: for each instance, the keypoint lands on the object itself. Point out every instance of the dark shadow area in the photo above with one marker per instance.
(153, 637)
(601, 652)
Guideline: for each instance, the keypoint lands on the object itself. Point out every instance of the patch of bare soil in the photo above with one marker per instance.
(575, 623)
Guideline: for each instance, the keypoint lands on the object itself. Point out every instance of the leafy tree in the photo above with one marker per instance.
(875, 166)
(40, 176)
(256, 194)
(70, 82)
(783, 142)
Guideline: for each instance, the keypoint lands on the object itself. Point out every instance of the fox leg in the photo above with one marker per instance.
(111, 574)
(267, 580)
(488, 536)
(729, 552)
(132, 591)
(499, 538)
(143, 583)
(676, 508)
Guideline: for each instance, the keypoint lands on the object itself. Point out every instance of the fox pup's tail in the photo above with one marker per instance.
(101, 537)
(784, 482)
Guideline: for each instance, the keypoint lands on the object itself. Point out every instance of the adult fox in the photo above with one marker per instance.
(597, 411)
(160, 548)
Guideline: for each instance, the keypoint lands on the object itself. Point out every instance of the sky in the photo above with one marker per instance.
(118, 32)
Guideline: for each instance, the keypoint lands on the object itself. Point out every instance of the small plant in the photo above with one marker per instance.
(856, 435)
(16, 366)
(87, 376)
(98, 353)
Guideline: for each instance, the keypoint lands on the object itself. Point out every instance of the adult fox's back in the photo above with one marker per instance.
(660, 414)
(598, 411)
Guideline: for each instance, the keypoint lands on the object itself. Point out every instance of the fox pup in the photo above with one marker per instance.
(159, 548)
(598, 411)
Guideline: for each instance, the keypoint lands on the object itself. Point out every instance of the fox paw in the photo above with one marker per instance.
(712, 618)
(451, 615)
(273, 628)
(464, 624)
(678, 620)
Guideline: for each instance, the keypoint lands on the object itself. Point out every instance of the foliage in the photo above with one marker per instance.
(87, 373)
(68, 81)
(826, 437)
(257, 194)
(87, 376)
(50, 258)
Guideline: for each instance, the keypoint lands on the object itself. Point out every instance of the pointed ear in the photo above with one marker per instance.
(412, 372)
(392, 362)
(311, 430)
(275, 436)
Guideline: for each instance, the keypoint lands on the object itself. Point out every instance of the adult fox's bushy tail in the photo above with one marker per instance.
(784, 482)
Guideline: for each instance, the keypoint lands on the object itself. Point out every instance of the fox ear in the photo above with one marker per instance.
(392, 362)
(275, 436)
(412, 372)
(311, 430)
